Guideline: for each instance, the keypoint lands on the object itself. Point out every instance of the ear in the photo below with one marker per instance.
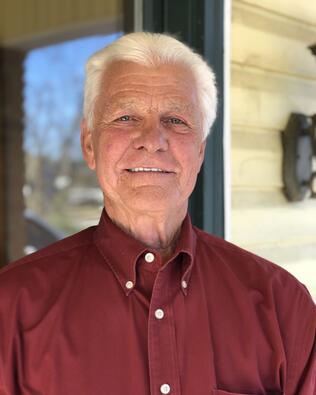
(87, 144)
(202, 153)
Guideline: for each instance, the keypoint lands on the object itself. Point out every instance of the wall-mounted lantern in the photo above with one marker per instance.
(299, 147)
(313, 49)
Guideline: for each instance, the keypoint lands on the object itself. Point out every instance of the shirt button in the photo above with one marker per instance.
(129, 285)
(165, 389)
(184, 284)
(149, 257)
(159, 315)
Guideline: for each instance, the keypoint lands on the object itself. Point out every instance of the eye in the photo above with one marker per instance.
(175, 121)
(124, 118)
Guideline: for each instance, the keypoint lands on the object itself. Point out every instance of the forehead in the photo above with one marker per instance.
(128, 84)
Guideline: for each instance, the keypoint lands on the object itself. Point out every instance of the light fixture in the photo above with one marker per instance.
(299, 147)
(313, 49)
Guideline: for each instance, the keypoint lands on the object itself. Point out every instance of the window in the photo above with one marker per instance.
(61, 194)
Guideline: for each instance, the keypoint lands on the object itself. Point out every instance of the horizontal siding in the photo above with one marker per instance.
(273, 225)
(256, 159)
(296, 10)
(272, 52)
(267, 110)
(272, 74)
(20, 18)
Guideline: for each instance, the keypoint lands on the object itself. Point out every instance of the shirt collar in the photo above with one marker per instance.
(121, 251)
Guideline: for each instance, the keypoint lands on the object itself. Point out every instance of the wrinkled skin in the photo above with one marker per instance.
(146, 117)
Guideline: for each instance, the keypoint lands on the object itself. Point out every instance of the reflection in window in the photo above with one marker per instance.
(61, 193)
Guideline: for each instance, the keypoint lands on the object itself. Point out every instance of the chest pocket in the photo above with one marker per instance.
(222, 392)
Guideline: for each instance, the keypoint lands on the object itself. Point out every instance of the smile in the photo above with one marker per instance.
(147, 169)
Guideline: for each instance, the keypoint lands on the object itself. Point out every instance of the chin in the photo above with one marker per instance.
(152, 200)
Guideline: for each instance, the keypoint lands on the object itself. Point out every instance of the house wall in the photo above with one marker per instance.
(273, 73)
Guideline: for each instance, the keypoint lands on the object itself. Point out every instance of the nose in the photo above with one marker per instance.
(151, 137)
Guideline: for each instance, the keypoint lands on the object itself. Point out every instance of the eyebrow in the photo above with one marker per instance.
(134, 104)
(122, 104)
(179, 105)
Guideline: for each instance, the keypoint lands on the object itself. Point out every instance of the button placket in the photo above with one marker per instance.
(164, 370)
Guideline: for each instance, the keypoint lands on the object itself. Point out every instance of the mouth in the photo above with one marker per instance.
(147, 170)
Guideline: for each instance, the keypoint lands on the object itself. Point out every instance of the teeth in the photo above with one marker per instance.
(138, 169)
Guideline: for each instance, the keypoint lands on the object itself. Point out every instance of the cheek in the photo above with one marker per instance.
(110, 151)
(102, 162)
(192, 157)
(192, 167)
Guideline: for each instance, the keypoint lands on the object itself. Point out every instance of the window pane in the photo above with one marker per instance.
(61, 193)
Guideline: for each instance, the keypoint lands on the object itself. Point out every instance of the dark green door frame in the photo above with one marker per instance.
(199, 23)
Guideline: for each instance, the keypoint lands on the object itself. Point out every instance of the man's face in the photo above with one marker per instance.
(146, 146)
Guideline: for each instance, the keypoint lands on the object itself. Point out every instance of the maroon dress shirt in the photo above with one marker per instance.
(99, 314)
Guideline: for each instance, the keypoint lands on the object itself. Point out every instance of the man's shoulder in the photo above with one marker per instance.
(61, 251)
(249, 268)
(225, 249)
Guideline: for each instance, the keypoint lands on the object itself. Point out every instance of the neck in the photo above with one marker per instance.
(159, 230)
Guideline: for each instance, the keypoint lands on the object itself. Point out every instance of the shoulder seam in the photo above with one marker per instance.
(30, 260)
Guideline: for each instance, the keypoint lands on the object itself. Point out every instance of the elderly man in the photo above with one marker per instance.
(145, 303)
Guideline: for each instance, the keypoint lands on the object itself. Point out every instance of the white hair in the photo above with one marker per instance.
(152, 49)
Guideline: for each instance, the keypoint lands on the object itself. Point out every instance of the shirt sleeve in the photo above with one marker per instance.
(307, 381)
(8, 325)
(300, 342)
